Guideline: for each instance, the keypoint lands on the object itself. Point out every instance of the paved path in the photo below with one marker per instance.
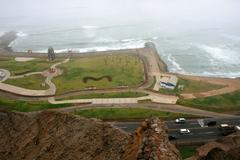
(7, 75)
(152, 96)
(229, 85)
(34, 93)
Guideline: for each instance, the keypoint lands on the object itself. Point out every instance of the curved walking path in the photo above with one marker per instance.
(7, 75)
(34, 93)
(229, 85)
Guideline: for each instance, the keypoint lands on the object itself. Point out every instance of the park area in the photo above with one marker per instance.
(100, 72)
(90, 72)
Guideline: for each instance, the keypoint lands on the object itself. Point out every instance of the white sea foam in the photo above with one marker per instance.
(2, 33)
(155, 37)
(225, 55)
(224, 74)
(89, 27)
(176, 67)
(117, 46)
(21, 34)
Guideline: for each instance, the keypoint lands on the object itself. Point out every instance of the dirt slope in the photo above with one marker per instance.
(57, 136)
(53, 135)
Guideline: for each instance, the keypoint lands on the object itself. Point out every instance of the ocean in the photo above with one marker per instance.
(194, 46)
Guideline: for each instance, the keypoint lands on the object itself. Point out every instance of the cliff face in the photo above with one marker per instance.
(58, 136)
(227, 148)
(150, 142)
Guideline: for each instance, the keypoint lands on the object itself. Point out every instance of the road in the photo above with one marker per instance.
(199, 132)
(153, 106)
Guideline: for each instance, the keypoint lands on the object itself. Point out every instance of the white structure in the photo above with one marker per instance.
(168, 81)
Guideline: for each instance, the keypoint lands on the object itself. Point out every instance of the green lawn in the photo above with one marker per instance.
(127, 113)
(17, 68)
(27, 106)
(187, 151)
(30, 82)
(191, 86)
(123, 69)
(106, 95)
(220, 103)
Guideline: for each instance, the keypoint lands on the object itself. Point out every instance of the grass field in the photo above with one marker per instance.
(124, 70)
(191, 86)
(187, 151)
(127, 113)
(30, 82)
(220, 103)
(17, 68)
(106, 95)
(27, 106)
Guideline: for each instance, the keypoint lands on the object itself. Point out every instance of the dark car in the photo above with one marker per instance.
(171, 137)
(210, 123)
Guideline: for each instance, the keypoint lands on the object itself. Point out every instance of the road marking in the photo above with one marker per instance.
(206, 133)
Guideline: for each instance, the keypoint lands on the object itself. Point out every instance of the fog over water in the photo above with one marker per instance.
(200, 37)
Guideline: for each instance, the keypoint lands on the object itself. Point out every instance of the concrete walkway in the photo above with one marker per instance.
(7, 75)
(152, 96)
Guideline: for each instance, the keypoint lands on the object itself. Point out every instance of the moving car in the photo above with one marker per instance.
(226, 129)
(180, 120)
(184, 131)
(237, 128)
(171, 137)
(210, 122)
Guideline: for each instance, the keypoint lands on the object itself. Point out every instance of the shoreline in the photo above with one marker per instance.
(8, 37)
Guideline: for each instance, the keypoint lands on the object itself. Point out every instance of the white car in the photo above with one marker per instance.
(180, 120)
(185, 131)
(237, 128)
(224, 126)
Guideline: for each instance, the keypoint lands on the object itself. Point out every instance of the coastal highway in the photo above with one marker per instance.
(199, 132)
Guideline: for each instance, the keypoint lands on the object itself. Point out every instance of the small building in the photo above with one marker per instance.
(168, 81)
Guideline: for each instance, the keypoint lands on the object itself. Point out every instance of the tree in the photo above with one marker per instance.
(51, 54)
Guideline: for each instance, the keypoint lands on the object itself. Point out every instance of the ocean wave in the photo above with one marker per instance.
(21, 34)
(225, 55)
(89, 27)
(2, 33)
(118, 46)
(176, 67)
(216, 74)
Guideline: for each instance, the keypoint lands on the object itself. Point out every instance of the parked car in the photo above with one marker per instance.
(184, 131)
(180, 120)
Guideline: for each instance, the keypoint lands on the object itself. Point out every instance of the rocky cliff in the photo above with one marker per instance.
(226, 148)
(58, 136)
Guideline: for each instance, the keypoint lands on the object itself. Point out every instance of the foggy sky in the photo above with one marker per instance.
(210, 13)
